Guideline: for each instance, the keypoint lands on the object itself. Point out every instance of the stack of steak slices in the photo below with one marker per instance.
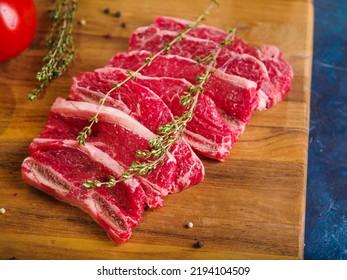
(278, 69)
(245, 79)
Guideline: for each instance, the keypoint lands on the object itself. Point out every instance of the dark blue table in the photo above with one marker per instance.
(326, 210)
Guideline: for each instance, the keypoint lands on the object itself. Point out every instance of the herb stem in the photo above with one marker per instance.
(60, 46)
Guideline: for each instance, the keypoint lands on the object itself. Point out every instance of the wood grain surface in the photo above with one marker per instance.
(252, 206)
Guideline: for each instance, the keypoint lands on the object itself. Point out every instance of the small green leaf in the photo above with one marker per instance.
(102, 101)
(116, 86)
(94, 119)
(126, 176)
(88, 184)
(131, 74)
(148, 60)
(167, 47)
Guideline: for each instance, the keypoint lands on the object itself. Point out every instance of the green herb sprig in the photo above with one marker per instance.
(60, 45)
(86, 131)
(169, 133)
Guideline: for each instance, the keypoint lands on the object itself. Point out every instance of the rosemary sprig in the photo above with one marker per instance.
(86, 131)
(59, 43)
(169, 133)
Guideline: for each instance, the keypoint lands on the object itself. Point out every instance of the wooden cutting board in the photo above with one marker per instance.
(252, 206)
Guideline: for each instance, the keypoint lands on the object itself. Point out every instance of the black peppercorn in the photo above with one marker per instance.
(106, 11)
(117, 14)
(123, 24)
(198, 244)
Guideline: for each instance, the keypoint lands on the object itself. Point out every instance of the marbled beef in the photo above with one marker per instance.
(279, 70)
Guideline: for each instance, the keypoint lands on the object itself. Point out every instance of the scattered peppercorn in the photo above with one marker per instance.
(117, 14)
(13, 258)
(123, 24)
(190, 225)
(107, 35)
(106, 11)
(198, 244)
(15, 194)
(82, 22)
(2, 211)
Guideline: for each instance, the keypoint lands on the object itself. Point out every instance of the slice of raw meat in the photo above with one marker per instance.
(117, 134)
(133, 99)
(146, 107)
(207, 133)
(153, 39)
(280, 71)
(59, 167)
(235, 97)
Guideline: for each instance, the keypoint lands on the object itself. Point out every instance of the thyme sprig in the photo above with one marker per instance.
(86, 131)
(59, 43)
(169, 133)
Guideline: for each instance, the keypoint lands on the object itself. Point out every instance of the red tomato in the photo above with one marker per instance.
(18, 22)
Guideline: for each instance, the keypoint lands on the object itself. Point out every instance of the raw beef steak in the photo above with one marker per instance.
(146, 107)
(207, 133)
(133, 99)
(153, 39)
(235, 97)
(280, 71)
(59, 167)
(116, 134)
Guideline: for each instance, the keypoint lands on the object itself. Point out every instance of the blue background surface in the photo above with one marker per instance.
(326, 208)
